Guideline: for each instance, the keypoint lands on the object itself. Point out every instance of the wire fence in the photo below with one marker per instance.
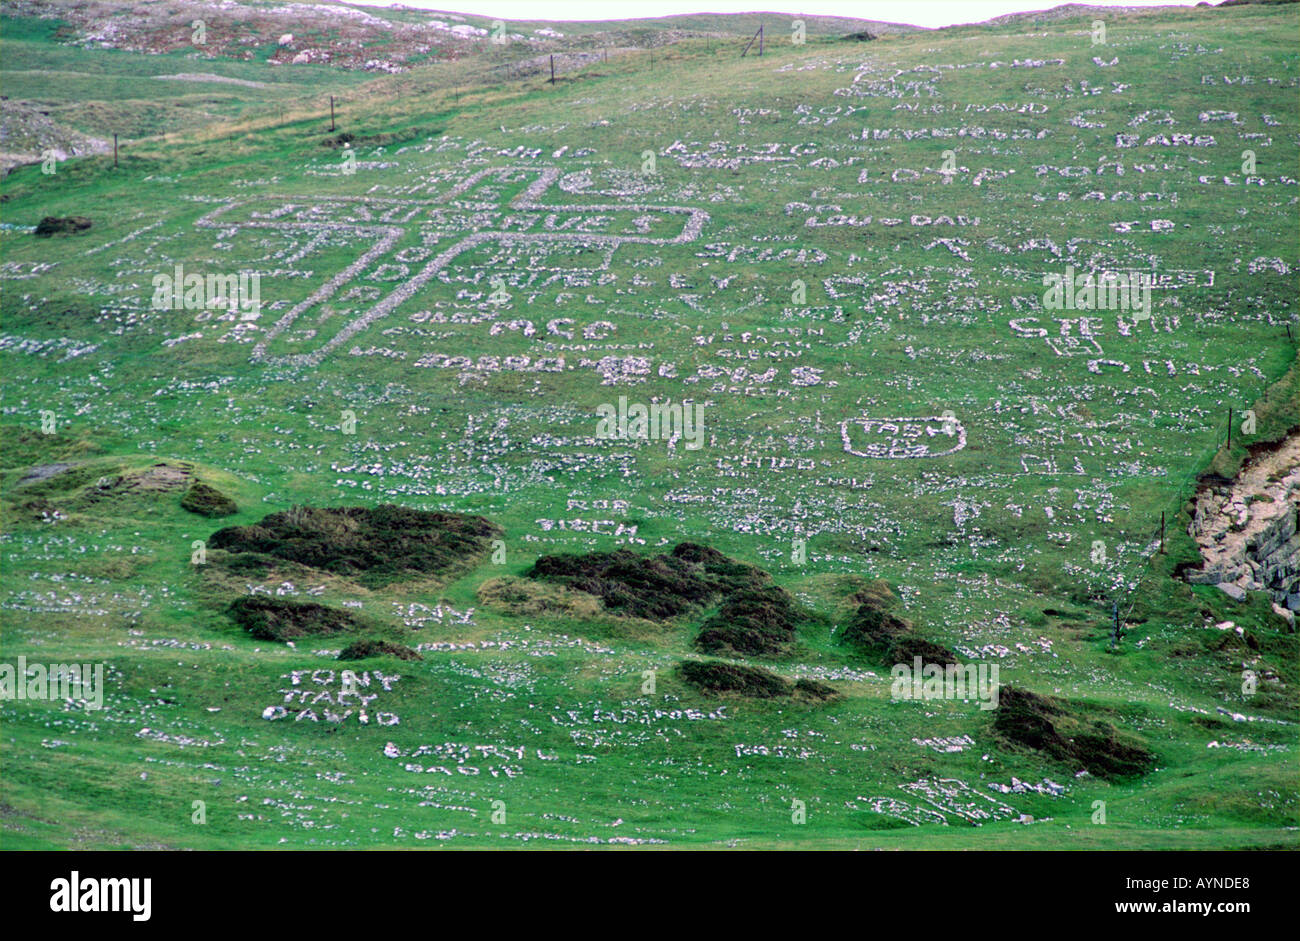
(1140, 571)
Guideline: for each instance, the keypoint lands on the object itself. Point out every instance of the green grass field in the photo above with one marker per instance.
(834, 234)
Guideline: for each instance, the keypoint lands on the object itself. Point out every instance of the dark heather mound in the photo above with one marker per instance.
(363, 649)
(907, 648)
(812, 689)
(751, 622)
(756, 617)
(726, 574)
(716, 678)
(877, 594)
(373, 546)
(713, 678)
(207, 501)
(657, 587)
(53, 225)
(1046, 725)
(279, 620)
(881, 632)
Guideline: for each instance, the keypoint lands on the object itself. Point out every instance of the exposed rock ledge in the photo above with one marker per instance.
(1247, 529)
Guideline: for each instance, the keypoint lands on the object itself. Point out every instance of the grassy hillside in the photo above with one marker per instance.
(837, 250)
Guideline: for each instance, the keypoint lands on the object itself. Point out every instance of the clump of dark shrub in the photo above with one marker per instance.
(726, 575)
(279, 620)
(815, 690)
(207, 501)
(716, 678)
(699, 554)
(879, 630)
(756, 616)
(1048, 725)
(751, 622)
(364, 649)
(656, 587)
(54, 225)
(374, 546)
(907, 648)
(876, 629)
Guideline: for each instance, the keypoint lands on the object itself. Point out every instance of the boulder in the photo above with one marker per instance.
(1235, 592)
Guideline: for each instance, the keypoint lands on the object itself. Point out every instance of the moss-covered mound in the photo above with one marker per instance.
(374, 546)
(278, 620)
(715, 678)
(94, 490)
(526, 598)
(882, 632)
(1051, 726)
(657, 587)
(364, 649)
(207, 501)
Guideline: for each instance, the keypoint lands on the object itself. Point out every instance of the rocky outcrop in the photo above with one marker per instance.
(28, 134)
(1249, 530)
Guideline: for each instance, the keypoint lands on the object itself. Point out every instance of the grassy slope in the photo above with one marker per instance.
(106, 91)
(114, 583)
